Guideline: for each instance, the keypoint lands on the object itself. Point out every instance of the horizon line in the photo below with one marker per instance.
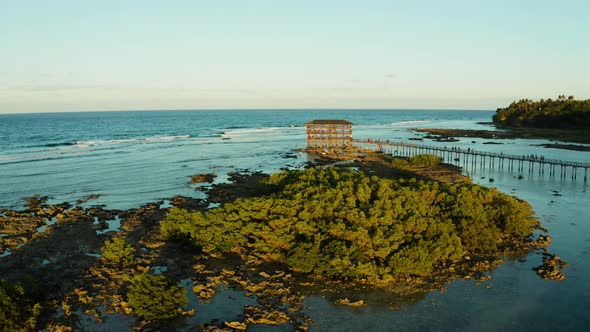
(256, 109)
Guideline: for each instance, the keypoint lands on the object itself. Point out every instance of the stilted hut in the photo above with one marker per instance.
(328, 135)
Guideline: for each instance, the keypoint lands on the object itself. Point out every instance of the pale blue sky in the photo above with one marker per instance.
(114, 55)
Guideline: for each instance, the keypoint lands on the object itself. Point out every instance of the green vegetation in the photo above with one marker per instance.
(427, 160)
(345, 224)
(422, 160)
(118, 253)
(154, 297)
(20, 306)
(562, 113)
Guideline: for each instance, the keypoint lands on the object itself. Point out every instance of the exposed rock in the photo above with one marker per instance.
(237, 325)
(550, 269)
(574, 147)
(568, 135)
(200, 178)
(346, 301)
(289, 155)
(189, 203)
(244, 185)
(542, 241)
(87, 198)
(258, 315)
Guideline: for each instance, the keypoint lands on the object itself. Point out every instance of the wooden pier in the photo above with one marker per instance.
(480, 159)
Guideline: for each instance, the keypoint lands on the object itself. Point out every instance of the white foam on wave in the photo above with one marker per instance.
(248, 131)
(42, 156)
(245, 133)
(165, 138)
(406, 123)
(80, 146)
(84, 144)
(393, 124)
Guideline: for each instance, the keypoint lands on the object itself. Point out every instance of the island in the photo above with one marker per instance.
(562, 113)
(564, 119)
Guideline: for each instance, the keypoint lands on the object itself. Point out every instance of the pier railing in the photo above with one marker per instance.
(482, 159)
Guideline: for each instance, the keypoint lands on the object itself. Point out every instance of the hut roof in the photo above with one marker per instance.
(340, 122)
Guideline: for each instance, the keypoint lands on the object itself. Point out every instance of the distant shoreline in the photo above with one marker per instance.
(575, 136)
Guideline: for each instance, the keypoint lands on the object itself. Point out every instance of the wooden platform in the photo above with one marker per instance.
(481, 159)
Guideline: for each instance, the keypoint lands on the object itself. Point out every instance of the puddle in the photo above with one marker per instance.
(213, 205)
(113, 226)
(5, 253)
(159, 269)
(93, 255)
(46, 261)
(111, 322)
(166, 204)
(48, 222)
(226, 305)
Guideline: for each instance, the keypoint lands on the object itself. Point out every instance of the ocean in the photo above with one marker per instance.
(132, 158)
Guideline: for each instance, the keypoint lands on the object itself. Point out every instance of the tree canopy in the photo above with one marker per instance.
(20, 306)
(118, 252)
(564, 113)
(154, 297)
(345, 224)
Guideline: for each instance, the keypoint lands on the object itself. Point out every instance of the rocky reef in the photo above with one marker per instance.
(88, 259)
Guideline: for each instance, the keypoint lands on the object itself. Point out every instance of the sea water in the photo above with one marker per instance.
(131, 158)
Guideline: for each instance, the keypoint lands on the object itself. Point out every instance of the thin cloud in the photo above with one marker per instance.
(56, 87)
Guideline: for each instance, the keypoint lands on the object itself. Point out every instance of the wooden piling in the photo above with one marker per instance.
(449, 154)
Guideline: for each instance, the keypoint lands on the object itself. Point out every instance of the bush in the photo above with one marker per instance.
(20, 307)
(117, 252)
(428, 160)
(154, 297)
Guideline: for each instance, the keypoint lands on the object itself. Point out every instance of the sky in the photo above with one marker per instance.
(61, 56)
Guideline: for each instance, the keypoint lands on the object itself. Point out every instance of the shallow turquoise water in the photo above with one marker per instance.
(131, 158)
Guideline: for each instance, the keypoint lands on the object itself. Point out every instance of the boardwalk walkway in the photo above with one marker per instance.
(481, 159)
